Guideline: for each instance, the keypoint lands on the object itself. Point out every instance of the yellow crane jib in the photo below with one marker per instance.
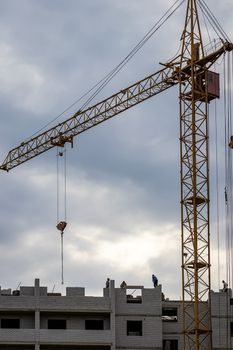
(126, 98)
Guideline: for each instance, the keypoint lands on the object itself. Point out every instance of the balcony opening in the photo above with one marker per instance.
(170, 344)
(10, 323)
(169, 314)
(94, 324)
(231, 329)
(56, 324)
(134, 328)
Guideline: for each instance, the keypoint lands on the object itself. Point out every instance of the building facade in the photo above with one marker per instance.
(127, 318)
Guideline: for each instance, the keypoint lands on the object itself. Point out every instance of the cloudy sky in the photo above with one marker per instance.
(123, 208)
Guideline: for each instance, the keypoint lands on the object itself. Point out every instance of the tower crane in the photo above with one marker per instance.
(190, 70)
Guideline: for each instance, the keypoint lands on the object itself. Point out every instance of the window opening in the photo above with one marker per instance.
(170, 344)
(94, 324)
(169, 314)
(56, 324)
(10, 323)
(134, 296)
(134, 328)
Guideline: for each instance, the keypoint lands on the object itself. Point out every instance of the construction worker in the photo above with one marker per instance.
(107, 282)
(123, 284)
(154, 280)
(225, 286)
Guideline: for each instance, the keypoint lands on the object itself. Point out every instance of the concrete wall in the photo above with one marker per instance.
(56, 337)
(149, 311)
(222, 312)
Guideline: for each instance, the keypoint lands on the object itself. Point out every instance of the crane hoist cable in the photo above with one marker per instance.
(228, 137)
(216, 128)
(227, 94)
(228, 79)
(217, 191)
(61, 213)
(99, 86)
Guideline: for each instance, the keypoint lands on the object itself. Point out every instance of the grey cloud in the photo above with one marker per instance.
(133, 158)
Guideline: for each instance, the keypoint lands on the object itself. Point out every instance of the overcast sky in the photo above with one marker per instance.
(123, 194)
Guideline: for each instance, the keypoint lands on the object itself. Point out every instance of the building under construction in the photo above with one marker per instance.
(128, 318)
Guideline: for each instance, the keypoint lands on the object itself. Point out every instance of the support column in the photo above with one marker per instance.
(112, 296)
(37, 313)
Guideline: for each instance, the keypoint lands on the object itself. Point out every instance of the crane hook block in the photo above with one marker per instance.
(61, 226)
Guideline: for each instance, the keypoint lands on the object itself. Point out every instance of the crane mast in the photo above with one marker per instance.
(195, 226)
(190, 70)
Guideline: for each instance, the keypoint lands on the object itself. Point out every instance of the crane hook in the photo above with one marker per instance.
(61, 226)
